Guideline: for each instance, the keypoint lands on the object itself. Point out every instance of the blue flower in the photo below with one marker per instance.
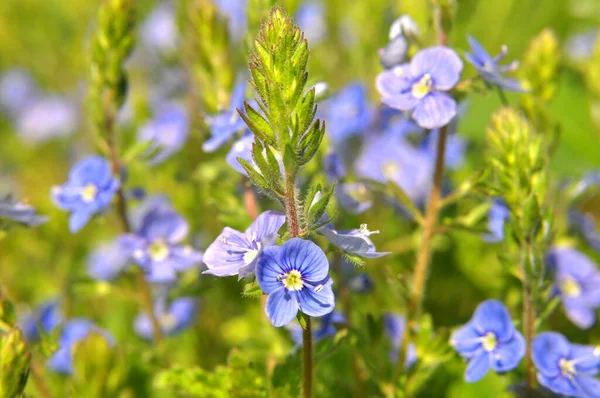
(88, 190)
(235, 12)
(47, 118)
(348, 113)
(159, 31)
(325, 327)
(361, 283)
(108, 260)
(333, 166)
(566, 368)
(43, 319)
(389, 158)
(497, 217)
(394, 53)
(17, 91)
(227, 123)
(242, 148)
(580, 46)
(73, 332)
(310, 17)
(420, 86)
(489, 68)
(234, 252)
(19, 212)
(167, 132)
(489, 340)
(156, 245)
(354, 241)
(173, 318)
(394, 326)
(354, 197)
(585, 224)
(578, 283)
(295, 275)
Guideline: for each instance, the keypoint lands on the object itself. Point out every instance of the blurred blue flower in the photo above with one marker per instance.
(159, 31)
(88, 190)
(242, 148)
(489, 340)
(394, 326)
(333, 166)
(44, 319)
(173, 317)
(389, 158)
(585, 224)
(348, 113)
(108, 260)
(19, 212)
(167, 132)
(47, 118)
(420, 86)
(73, 332)
(497, 217)
(227, 123)
(489, 68)
(361, 283)
(236, 253)
(310, 17)
(580, 46)
(578, 283)
(566, 368)
(353, 241)
(354, 197)
(295, 275)
(235, 12)
(156, 245)
(325, 327)
(17, 91)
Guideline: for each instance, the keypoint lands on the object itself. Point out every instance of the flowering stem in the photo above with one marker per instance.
(502, 96)
(250, 201)
(528, 320)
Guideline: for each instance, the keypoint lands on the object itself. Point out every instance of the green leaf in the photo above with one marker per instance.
(254, 176)
(252, 290)
(14, 363)
(317, 210)
(259, 126)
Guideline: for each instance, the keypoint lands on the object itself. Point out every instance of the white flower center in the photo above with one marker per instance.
(570, 288)
(158, 250)
(88, 193)
(390, 169)
(489, 342)
(292, 280)
(567, 368)
(422, 87)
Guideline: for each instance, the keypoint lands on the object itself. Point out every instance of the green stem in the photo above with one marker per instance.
(528, 319)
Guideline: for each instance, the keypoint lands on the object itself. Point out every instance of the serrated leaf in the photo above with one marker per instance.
(252, 290)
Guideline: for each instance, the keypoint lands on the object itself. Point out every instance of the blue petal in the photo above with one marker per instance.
(91, 170)
(314, 303)
(281, 307)
(435, 110)
(242, 148)
(589, 387)
(558, 384)
(547, 350)
(108, 260)
(394, 81)
(168, 226)
(354, 197)
(61, 361)
(441, 63)
(160, 273)
(479, 52)
(492, 316)
(184, 309)
(466, 340)
(306, 257)
(142, 325)
(268, 268)
(346, 240)
(579, 313)
(184, 257)
(586, 359)
(268, 223)
(508, 355)
(225, 256)
(478, 367)
(78, 219)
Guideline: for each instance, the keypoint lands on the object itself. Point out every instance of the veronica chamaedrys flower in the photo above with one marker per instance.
(325, 327)
(173, 317)
(353, 241)
(108, 260)
(361, 283)
(421, 84)
(159, 31)
(295, 275)
(389, 158)
(348, 113)
(73, 332)
(489, 68)
(578, 283)
(354, 197)
(44, 319)
(46, 118)
(497, 216)
(566, 368)
(394, 326)
(20, 213)
(167, 133)
(156, 246)
(88, 190)
(226, 124)
(489, 340)
(310, 17)
(236, 253)
(17, 90)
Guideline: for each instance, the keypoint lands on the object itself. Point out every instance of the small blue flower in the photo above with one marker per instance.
(159, 31)
(333, 166)
(173, 318)
(19, 212)
(235, 12)
(580, 46)
(295, 275)
(585, 224)
(108, 260)
(497, 217)
(44, 318)
(73, 332)
(394, 326)
(489, 340)
(167, 132)
(227, 123)
(348, 113)
(361, 283)
(156, 245)
(566, 368)
(325, 327)
(242, 148)
(354, 197)
(420, 86)
(354, 241)
(47, 118)
(489, 68)
(310, 17)
(389, 158)
(17, 91)
(578, 283)
(236, 253)
(88, 190)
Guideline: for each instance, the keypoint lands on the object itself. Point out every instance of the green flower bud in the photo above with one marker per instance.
(14, 363)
